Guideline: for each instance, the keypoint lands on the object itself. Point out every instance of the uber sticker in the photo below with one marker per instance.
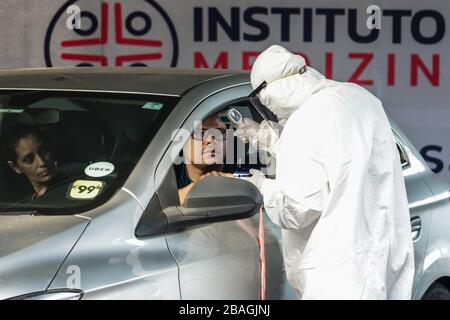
(99, 169)
(85, 189)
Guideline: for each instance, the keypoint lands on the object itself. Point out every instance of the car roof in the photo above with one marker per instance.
(162, 81)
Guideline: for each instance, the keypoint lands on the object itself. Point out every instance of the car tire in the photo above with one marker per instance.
(437, 292)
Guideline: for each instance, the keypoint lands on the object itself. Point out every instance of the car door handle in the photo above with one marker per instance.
(416, 226)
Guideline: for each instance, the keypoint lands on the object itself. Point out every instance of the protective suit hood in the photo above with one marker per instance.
(287, 89)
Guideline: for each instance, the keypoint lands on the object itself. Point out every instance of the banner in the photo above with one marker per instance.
(396, 49)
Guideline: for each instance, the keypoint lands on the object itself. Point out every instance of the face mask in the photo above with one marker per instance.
(282, 113)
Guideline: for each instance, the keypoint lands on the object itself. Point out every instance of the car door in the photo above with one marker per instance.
(419, 195)
(218, 260)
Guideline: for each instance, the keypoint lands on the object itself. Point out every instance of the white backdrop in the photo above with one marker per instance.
(404, 63)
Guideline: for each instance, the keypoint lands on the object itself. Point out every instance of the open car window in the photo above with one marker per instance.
(93, 139)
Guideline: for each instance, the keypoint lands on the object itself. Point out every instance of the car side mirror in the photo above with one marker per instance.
(215, 199)
(222, 198)
(211, 199)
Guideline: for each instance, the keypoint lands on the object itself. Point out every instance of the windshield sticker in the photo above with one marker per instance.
(2, 110)
(99, 169)
(85, 189)
(153, 106)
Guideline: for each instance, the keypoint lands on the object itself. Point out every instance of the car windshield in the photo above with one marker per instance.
(64, 153)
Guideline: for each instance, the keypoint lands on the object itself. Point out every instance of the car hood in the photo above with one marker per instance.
(32, 250)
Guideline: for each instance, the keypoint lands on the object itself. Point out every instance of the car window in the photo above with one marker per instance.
(69, 152)
(231, 156)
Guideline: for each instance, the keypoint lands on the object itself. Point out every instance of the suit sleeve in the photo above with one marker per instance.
(296, 198)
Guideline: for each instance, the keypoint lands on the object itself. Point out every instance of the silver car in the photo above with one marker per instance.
(111, 226)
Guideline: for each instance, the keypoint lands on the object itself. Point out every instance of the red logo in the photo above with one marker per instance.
(114, 33)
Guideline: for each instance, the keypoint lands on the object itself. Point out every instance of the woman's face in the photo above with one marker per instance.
(207, 145)
(35, 160)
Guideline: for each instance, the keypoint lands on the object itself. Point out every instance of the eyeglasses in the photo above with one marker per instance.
(203, 134)
(254, 100)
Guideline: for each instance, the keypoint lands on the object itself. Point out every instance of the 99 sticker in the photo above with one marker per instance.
(85, 189)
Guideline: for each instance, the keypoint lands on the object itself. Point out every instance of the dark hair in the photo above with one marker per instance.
(12, 135)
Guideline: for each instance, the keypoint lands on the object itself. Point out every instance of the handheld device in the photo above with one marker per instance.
(232, 117)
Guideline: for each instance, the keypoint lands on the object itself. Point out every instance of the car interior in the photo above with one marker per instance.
(82, 129)
(243, 165)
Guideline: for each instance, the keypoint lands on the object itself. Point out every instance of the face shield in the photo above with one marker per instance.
(256, 103)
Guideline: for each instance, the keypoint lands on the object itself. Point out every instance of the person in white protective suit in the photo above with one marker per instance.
(339, 195)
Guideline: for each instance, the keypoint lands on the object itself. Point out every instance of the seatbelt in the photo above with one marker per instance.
(262, 257)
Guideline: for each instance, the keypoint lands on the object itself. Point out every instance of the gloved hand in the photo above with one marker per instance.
(249, 132)
(257, 178)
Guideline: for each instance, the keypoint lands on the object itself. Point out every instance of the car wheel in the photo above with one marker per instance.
(437, 292)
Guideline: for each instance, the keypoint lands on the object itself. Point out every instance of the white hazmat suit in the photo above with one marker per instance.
(339, 195)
